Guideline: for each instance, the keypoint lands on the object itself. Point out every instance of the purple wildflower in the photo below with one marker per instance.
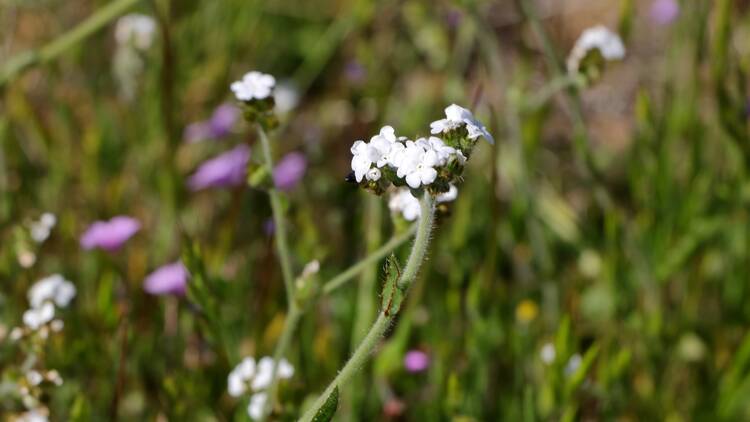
(289, 171)
(664, 12)
(227, 169)
(170, 279)
(220, 125)
(110, 235)
(269, 227)
(416, 361)
(355, 72)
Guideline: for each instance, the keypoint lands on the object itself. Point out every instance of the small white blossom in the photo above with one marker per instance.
(364, 154)
(449, 196)
(35, 415)
(136, 28)
(418, 165)
(455, 116)
(37, 317)
(240, 377)
(57, 325)
(253, 86)
(40, 230)
(600, 38)
(256, 405)
(547, 354)
(286, 96)
(34, 378)
(402, 201)
(373, 174)
(256, 376)
(573, 364)
(54, 377)
(53, 288)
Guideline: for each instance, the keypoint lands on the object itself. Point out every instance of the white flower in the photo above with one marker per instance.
(286, 96)
(32, 416)
(34, 377)
(256, 376)
(239, 378)
(402, 201)
(253, 86)
(449, 196)
(455, 116)
(373, 174)
(547, 354)
(573, 364)
(36, 317)
(256, 405)
(40, 230)
(53, 288)
(136, 28)
(364, 155)
(54, 377)
(600, 38)
(418, 165)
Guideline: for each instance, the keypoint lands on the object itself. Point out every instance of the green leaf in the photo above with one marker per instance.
(392, 295)
(326, 412)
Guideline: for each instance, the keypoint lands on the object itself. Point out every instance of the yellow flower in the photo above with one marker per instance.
(526, 311)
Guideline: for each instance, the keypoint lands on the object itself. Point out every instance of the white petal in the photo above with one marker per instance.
(256, 405)
(413, 180)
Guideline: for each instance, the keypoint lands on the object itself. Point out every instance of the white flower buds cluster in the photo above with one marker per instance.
(256, 92)
(44, 296)
(407, 205)
(593, 48)
(433, 163)
(251, 376)
(41, 229)
(134, 34)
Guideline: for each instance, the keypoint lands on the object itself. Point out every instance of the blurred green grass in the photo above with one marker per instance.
(650, 289)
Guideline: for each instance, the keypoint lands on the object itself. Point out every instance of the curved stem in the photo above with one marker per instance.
(279, 222)
(22, 61)
(360, 266)
(384, 320)
(559, 83)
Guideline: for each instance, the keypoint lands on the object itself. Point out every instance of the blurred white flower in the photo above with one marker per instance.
(573, 364)
(449, 196)
(402, 201)
(35, 415)
(240, 377)
(547, 354)
(599, 38)
(265, 372)
(53, 288)
(256, 405)
(41, 229)
(373, 174)
(249, 374)
(286, 96)
(54, 377)
(253, 86)
(37, 317)
(137, 29)
(455, 116)
(34, 378)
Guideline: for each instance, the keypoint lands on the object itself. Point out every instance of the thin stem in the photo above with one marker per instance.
(290, 326)
(354, 270)
(23, 61)
(279, 222)
(366, 347)
(556, 85)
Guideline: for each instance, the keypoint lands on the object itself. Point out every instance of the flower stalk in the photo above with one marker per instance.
(385, 318)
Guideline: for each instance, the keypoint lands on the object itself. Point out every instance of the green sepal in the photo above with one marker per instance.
(326, 412)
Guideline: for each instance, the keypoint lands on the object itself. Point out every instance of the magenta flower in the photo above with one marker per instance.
(227, 169)
(170, 279)
(664, 12)
(220, 125)
(416, 361)
(110, 235)
(289, 171)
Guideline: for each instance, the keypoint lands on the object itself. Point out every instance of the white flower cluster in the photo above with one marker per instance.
(404, 203)
(43, 296)
(256, 377)
(40, 230)
(30, 390)
(137, 29)
(253, 86)
(457, 116)
(415, 162)
(599, 38)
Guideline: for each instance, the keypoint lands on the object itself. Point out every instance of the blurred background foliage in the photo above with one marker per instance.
(611, 223)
